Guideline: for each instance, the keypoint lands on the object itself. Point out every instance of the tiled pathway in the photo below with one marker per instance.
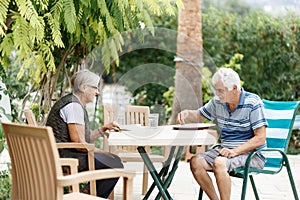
(183, 187)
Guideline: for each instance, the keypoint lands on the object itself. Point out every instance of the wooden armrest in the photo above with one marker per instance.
(101, 174)
(73, 164)
(90, 148)
(87, 146)
(69, 162)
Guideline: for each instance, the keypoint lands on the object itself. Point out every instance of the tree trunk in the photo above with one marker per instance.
(188, 85)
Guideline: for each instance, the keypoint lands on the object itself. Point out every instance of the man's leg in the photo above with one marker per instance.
(222, 178)
(199, 168)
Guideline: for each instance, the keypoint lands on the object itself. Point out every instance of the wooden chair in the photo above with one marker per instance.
(133, 115)
(36, 167)
(280, 116)
(70, 162)
(30, 118)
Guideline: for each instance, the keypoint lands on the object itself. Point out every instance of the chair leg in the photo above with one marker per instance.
(200, 194)
(112, 195)
(288, 168)
(254, 187)
(145, 180)
(244, 188)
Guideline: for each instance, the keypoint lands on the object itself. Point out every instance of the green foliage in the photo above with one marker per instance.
(5, 185)
(263, 49)
(147, 63)
(47, 40)
(240, 7)
(270, 66)
(3, 11)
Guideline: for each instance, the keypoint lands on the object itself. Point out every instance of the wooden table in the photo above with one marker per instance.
(141, 136)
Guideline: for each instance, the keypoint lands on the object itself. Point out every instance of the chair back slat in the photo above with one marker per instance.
(109, 113)
(34, 159)
(280, 116)
(137, 115)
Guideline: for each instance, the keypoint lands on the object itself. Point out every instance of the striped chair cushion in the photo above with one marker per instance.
(280, 116)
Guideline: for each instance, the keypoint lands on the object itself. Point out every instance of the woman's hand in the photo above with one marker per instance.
(114, 126)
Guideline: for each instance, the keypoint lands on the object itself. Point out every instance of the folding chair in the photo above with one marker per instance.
(280, 116)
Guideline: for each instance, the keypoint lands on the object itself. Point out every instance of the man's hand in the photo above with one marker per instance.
(182, 116)
(228, 153)
(189, 116)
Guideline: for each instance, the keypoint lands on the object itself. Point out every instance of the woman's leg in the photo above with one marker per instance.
(105, 187)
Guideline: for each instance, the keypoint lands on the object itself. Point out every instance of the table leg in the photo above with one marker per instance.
(163, 172)
(169, 179)
(156, 178)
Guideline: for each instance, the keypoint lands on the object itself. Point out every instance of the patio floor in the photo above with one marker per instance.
(184, 187)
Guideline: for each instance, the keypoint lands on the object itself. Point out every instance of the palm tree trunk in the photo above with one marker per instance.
(188, 85)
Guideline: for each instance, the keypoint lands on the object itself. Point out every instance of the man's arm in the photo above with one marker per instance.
(189, 116)
(255, 142)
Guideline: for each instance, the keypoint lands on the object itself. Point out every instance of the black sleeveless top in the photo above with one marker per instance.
(61, 132)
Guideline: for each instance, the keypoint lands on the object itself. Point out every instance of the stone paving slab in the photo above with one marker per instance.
(184, 187)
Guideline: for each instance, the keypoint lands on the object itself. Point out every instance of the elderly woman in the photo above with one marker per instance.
(242, 124)
(69, 119)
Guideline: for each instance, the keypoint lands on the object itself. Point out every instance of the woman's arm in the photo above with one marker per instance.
(100, 132)
(77, 134)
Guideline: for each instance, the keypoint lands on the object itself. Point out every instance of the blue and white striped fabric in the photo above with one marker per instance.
(280, 116)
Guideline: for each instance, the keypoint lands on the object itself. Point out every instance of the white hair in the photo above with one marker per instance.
(228, 77)
(84, 77)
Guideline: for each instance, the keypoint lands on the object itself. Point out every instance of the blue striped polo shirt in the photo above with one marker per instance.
(237, 126)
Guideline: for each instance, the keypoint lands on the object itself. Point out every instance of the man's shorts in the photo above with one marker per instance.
(257, 161)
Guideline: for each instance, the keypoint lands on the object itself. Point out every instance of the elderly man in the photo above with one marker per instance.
(240, 117)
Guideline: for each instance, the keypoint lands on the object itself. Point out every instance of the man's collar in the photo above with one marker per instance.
(242, 97)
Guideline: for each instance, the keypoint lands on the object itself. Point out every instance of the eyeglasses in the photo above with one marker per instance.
(94, 87)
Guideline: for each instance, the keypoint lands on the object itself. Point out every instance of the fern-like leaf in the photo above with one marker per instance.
(108, 19)
(106, 54)
(148, 21)
(3, 12)
(21, 35)
(28, 11)
(55, 31)
(57, 9)
(69, 15)
(153, 6)
(6, 45)
(43, 4)
(48, 57)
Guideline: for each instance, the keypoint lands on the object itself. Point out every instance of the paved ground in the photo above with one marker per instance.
(184, 187)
